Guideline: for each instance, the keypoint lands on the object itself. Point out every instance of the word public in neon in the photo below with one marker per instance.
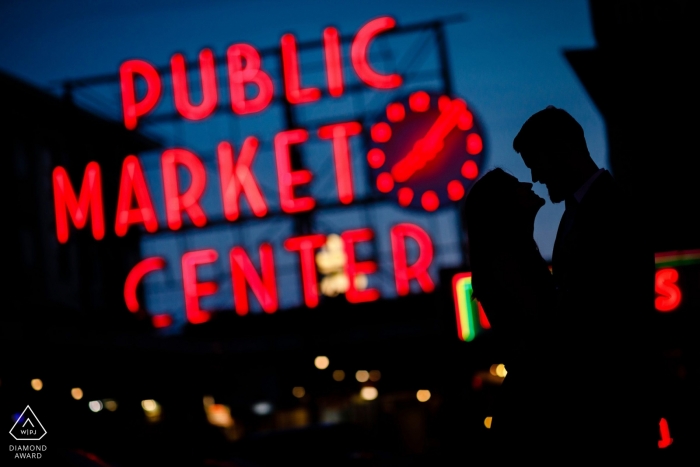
(244, 68)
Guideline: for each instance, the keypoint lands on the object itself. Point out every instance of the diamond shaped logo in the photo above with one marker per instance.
(28, 427)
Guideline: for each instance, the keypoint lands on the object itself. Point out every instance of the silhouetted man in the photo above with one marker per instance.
(604, 270)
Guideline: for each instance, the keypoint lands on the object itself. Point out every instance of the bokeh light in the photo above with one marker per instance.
(37, 384)
(76, 393)
(369, 393)
(95, 406)
(423, 395)
(362, 376)
(338, 375)
(298, 392)
(321, 362)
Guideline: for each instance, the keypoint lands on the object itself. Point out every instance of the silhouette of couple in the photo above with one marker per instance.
(576, 340)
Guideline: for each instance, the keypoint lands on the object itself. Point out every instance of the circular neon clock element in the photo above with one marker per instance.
(426, 150)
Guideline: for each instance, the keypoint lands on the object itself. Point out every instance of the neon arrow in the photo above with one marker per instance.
(426, 148)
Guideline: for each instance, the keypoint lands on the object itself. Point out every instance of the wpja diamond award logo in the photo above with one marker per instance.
(27, 427)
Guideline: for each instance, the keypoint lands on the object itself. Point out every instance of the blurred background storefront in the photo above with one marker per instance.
(227, 248)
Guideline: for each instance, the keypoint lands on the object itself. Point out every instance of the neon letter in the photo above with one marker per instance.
(243, 271)
(188, 201)
(418, 270)
(181, 91)
(132, 109)
(359, 53)
(194, 289)
(135, 275)
(669, 294)
(90, 201)
(292, 80)
(339, 133)
(237, 176)
(132, 181)
(286, 177)
(334, 66)
(353, 268)
(666, 439)
(305, 246)
(238, 76)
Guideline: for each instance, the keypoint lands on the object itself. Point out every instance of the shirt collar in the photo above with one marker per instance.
(581, 192)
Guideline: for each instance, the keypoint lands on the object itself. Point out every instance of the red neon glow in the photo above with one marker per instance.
(381, 132)
(359, 53)
(292, 79)
(181, 91)
(243, 272)
(668, 293)
(444, 102)
(375, 158)
(89, 202)
(239, 76)
(286, 177)
(470, 170)
(405, 196)
(666, 439)
(334, 66)
(395, 112)
(339, 133)
(466, 121)
(428, 147)
(188, 201)
(194, 289)
(237, 177)
(430, 201)
(305, 246)
(474, 144)
(353, 268)
(132, 109)
(133, 182)
(483, 320)
(418, 270)
(134, 277)
(384, 182)
(455, 190)
(419, 101)
(161, 321)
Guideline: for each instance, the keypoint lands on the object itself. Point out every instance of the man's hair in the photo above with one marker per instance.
(550, 130)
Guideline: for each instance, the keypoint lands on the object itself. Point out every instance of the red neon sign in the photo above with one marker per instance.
(243, 272)
(244, 67)
(288, 178)
(239, 75)
(176, 202)
(134, 278)
(238, 178)
(292, 79)
(668, 293)
(334, 65)
(419, 269)
(353, 268)
(339, 133)
(263, 282)
(305, 246)
(193, 289)
(132, 109)
(181, 91)
(360, 51)
(134, 183)
(90, 201)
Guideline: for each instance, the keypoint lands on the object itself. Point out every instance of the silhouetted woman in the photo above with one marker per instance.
(512, 282)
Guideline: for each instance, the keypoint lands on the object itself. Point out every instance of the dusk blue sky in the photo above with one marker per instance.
(506, 57)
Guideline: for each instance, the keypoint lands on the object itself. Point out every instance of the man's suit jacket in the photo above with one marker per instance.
(604, 271)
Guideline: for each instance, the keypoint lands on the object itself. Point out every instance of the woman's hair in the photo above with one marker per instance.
(490, 215)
